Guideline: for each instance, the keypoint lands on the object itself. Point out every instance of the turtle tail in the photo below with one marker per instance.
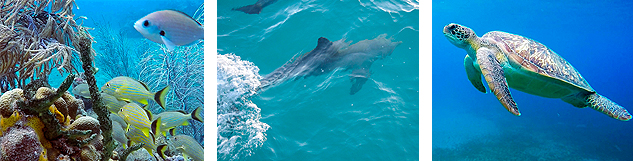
(606, 106)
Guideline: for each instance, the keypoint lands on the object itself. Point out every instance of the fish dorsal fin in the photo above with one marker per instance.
(144, 85)
(186, 15)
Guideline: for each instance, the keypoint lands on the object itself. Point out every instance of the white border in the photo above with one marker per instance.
(210, 79)
(425, 94)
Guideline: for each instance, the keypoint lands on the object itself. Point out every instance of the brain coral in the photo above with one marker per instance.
(86, 123)
(43, 92)
(8, 102)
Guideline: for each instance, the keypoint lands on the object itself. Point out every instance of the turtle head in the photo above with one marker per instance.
(459, 35)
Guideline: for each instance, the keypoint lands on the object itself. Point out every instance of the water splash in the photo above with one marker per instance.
(239, 130)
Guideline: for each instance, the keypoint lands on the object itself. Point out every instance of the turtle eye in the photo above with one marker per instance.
(145, 23)
(452, 27)
(162, 33)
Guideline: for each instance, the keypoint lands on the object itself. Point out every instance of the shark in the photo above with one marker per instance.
(328, 56)
(255, 8)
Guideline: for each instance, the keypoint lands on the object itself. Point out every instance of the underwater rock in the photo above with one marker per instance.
(140, 155)
(175, 158)
(90, 153)
(8, 101)
(20, 144)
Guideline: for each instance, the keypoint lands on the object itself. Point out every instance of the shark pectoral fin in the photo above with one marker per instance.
(474, 76)
(493, 72)
(358, 77)
(170, 45)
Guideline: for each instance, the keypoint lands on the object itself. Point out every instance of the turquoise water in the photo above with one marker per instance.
(470, 125)
(316, 118)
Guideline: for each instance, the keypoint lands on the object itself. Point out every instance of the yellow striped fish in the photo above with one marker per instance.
(139, 117)
(114, 105)
(136, 136)
(187, 145)
(129, 89)
(118, 134)
(177, 118)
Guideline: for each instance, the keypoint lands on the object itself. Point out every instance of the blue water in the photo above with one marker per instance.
(316, 118)
(592, 35)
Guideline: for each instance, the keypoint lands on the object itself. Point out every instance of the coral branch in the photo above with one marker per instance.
(84, 45)
(34, 106)
(130, 150)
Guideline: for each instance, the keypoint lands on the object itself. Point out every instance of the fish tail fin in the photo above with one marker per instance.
(150, 116)
(250, 9)
(161, 151)
(172, 132)
(159, 96)
(197, 114)
(156, 125)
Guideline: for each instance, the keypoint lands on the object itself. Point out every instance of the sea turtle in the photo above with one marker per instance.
(509, 60)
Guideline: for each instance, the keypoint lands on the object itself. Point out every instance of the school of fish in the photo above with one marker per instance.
(127, 99)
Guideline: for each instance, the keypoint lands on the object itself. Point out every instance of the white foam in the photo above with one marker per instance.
(239, 130)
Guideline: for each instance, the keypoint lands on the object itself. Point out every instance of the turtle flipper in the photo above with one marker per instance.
(493, 73)
(606, 106)
(473, 74)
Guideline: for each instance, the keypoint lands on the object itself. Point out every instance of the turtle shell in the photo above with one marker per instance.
(532, 56)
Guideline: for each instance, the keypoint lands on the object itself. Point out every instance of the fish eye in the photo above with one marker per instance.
(107, 84)
(162, 33)
(145, 23)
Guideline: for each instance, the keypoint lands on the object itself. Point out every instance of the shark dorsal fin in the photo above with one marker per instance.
(323, 42)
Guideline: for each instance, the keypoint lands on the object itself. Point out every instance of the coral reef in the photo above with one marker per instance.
(41, 127)
(42, 123)
(8, 100)
(140, 155)
(21, 144)
(34, 40)
(85, 48)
